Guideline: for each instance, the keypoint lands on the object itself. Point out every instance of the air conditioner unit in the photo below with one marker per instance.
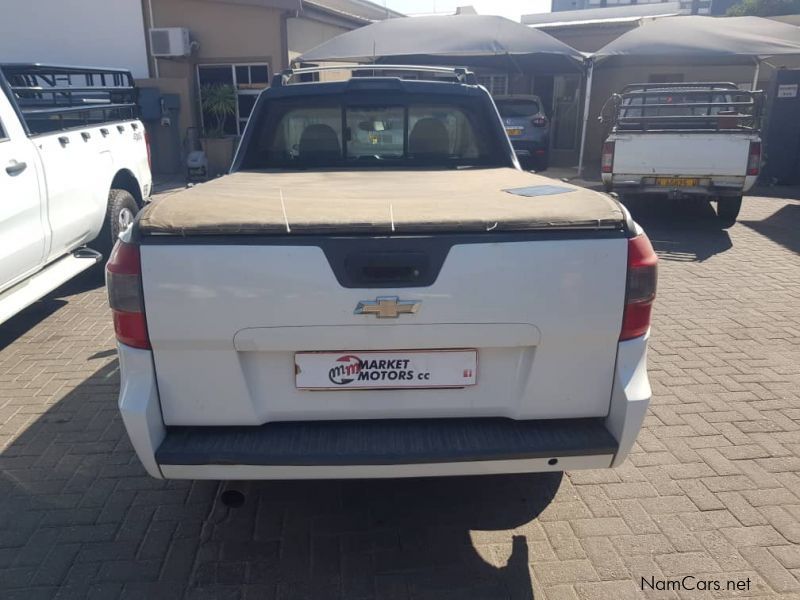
(170, 41)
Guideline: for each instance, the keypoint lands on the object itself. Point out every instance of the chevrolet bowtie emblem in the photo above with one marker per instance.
(387, 307)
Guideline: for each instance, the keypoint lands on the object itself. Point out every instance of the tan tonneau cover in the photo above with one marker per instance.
(380, 202)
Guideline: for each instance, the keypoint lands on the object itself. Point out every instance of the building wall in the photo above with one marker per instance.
(561, 5)
(304, 34)
(101, 33)
(166, 142)
(225, 33)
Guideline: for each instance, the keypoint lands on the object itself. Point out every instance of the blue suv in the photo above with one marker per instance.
(528, 128)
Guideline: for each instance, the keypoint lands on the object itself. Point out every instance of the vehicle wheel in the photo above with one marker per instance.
(541, 162)
(728, 209)
(122, 209)
(526, 162)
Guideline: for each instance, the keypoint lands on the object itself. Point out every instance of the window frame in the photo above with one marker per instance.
(493, 78)
(240, 121)
(270, 113)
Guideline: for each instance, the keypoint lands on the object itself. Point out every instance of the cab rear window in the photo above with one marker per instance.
(314, 132)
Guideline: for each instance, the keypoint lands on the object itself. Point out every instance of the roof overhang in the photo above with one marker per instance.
(598, 22)
(279, 4)
(326, 14)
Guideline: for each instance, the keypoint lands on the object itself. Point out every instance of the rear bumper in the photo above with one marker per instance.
(709, 186)
(530, 147)
(406, 447)
(381, 448)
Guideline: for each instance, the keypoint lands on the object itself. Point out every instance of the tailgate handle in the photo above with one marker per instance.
(387, 268)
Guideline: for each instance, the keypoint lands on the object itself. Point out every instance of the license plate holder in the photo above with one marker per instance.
(513, 131)
(386, 369)
(677, 181)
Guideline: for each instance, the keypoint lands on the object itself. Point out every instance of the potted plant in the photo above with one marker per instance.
(219, 102)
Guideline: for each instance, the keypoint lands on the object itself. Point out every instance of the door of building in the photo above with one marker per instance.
(782, 133)
(566, 120)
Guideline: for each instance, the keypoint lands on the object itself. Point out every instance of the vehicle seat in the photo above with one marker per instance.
(429, 138)
(319, 142)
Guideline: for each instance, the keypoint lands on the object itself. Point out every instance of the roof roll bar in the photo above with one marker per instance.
(741, 112)
(461, 74)
(704, 85)
(682, 85)
(37, 86)
(52, 75)
(54, 97)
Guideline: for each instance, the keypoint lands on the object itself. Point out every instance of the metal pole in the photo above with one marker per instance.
(755, 76)
(587, 99)
(147, 33)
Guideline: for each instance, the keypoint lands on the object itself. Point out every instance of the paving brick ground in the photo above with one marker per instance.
(712, 489)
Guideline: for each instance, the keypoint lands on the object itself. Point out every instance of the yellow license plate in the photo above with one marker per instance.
(677, 181)
(512, 131)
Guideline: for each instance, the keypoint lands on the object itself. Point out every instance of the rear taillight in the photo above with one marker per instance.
(147, 143)
(754, 158)
(607, 159)
(640, 291)
(124, 285)
(539, 121)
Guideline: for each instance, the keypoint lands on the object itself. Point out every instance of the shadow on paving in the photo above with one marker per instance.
(781, 192)
(681, 230)
(80, 518)
(783, 227)
(20, 323)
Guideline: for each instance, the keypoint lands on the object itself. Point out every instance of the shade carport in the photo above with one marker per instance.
(695, 41)
(457, 40)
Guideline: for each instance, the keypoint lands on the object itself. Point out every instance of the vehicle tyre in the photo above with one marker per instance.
(728, 209)
(542, 162)
(122, 209)
(526, 162)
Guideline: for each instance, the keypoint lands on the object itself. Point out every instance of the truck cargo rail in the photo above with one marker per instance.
(51, 98)
(684, 107)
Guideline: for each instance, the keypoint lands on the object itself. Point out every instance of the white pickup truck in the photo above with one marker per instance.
(74, 170)
(378, 290)
(684, 140)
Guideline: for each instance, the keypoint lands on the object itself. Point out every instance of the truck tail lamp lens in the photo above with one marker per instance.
(754, 158)
(640, 291)
(607, 159)
(125, 297)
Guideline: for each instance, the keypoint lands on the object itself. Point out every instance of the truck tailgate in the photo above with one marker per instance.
(723, 154)
(227, 316)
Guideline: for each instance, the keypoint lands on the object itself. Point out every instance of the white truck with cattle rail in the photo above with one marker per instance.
(74, 171)
(378, 290)
(678, 140)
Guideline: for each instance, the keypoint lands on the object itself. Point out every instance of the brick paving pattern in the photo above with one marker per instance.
(712, 489)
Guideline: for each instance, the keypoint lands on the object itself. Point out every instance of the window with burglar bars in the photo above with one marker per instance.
(247, 79)
(496, 84)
